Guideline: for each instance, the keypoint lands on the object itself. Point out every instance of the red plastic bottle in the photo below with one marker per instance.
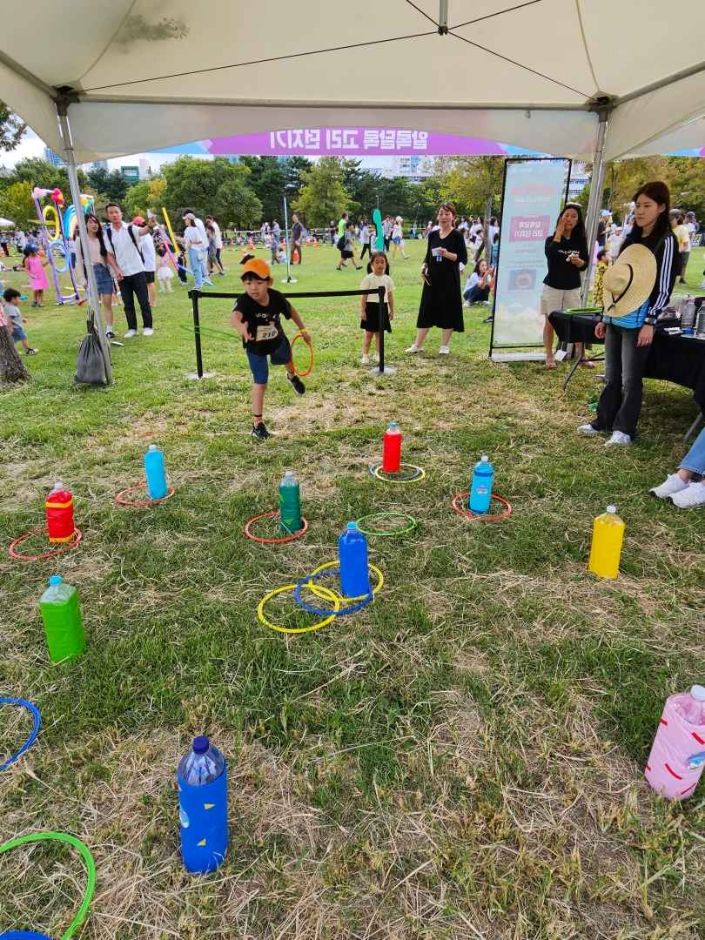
(59, 512)
(391, 449)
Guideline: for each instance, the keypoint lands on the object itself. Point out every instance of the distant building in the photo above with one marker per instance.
(145, 169)
(413, 168)
(130, 173)
(52, 157)
(99, 165)
(579, 178)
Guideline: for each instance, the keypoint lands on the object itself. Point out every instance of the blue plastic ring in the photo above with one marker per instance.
(326, 611)
(34, 711)
(23, 935)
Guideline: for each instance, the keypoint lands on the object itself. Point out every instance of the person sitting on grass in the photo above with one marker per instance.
(13, 314)
(686, 487)
(479, 284)
(370, 314)
(256, 317)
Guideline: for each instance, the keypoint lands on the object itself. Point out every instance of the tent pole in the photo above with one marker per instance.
(62, 106)
(592, 216)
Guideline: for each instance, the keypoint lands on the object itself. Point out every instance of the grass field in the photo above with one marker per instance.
(462, 759)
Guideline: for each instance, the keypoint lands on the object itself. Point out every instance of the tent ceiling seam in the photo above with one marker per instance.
(585, 45)
(30, 77)
(422, 12)
(490, 16)
(280, 58)
(109, 42)
(520, 65)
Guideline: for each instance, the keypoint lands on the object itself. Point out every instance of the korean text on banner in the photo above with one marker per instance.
(533, 195)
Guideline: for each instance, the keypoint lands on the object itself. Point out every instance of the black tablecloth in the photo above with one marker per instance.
(678, 359)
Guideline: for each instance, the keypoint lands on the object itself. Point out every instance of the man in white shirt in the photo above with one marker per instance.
(124, 240)
(200, 225)
(219, 241)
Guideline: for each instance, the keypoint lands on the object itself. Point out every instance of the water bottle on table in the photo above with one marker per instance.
(606, 547)
(155, 473)
(202, 780)
(481, 486)
(290, 504)
(688, 316)
(63, 624)
(354, 565)
(678, 753)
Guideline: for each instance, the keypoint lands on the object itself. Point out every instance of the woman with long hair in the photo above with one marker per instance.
(628, 328)
(567, 255)
(104, 265)
(441, 300)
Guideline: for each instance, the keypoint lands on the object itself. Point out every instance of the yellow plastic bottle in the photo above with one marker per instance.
(606, 548)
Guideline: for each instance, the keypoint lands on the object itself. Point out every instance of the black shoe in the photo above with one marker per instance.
(31, 351)
(260, 432)
(299, 386)
(109, 334)
(488, 319)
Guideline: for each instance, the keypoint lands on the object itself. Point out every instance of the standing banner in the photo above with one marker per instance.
(532, 197)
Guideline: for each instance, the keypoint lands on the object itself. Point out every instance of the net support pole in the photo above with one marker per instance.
(194, 295)
(62, 109)
(382, 328)
(592, 214)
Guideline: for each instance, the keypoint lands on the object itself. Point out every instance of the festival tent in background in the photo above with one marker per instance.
(589, 79)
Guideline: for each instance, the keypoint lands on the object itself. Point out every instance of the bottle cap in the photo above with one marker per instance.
(201, 744)
(288, 474)
(57, 486)
(612, 509)
(352, 527)
(152, 447)
(392, 426)
(698, 693)
(55, 579)
(484, 459)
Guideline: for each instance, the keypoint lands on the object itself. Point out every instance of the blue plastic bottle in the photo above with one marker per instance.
(481, 486)
(354, 567)
(155, 472)
(202, 779)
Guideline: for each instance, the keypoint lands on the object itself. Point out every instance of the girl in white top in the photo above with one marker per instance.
(377, 276)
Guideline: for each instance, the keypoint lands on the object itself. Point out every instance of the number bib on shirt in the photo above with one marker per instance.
(266, 332)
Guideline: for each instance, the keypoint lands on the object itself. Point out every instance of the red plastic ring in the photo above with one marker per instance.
(276, 541)
(59, 550)
(459, 505)
(122, 498)
(309, 370)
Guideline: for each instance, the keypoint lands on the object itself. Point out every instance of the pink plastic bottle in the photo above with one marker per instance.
(677, 755)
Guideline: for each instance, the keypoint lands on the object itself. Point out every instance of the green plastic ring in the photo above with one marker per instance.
(88, 861)
(412, 523)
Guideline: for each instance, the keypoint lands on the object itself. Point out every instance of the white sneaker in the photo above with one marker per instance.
(588, 430)
(618, 439)
(444, 350)
(693, 495)
(130, 334)
(147, 331)
(413, 349)
(672, 484)
(364, 360)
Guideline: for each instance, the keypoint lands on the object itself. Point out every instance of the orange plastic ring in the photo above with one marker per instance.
(460, 501)
(59, 550)
(309, 370)
(123, 499)
(249, 534)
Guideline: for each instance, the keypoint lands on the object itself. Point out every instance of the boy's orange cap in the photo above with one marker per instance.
(257, 266)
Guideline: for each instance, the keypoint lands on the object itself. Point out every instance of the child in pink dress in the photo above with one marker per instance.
(34, 266)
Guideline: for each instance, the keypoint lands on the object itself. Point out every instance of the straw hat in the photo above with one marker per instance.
(630, 280)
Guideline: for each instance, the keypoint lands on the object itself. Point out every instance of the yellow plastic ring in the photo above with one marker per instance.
(50, 211)
(315, 588)
(327, 595)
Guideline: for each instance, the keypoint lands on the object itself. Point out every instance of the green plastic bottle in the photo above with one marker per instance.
(289, 504)
(63, 625)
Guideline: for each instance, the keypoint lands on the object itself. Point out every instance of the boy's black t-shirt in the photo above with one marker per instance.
(263, 322)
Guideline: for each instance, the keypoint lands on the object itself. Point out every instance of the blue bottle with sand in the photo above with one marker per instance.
(481, 486)
(202, 780)
(353, 561)
(155, 473)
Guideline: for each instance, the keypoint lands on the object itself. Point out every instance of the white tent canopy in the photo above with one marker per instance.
(526, 72)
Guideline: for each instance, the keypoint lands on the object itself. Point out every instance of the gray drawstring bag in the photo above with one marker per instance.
(90, 365)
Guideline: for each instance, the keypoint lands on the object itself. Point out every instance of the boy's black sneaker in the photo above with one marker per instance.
(260, 432)
(31, 352)
(299, 386)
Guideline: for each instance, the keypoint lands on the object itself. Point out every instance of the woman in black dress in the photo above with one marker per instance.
(441, 299)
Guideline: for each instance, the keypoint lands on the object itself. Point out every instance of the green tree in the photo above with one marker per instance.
(236, 205)
(473, 184)
(16, 204)
(294, 170)
(11, 128)
(267, 180)
(145, 196)
(41, 173)
(110, 184)
(323, 196)
(209, 186)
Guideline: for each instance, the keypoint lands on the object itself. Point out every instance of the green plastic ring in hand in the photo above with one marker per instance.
(88, 861)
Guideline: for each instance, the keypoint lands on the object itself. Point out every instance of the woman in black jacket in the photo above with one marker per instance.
(567, 255)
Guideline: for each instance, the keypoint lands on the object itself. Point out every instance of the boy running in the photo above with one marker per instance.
(256, 318)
